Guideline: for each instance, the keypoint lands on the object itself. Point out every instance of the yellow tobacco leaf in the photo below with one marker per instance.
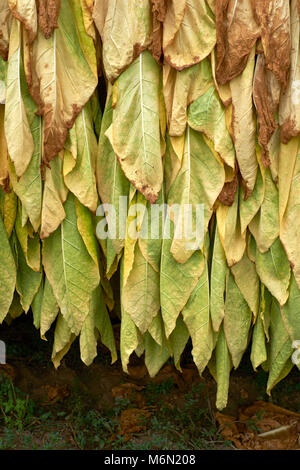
(125, 29)
(63, 80)
(189, 33)
(18, 135)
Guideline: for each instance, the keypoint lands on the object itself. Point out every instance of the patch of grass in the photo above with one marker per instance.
(7, 439)
(75, 423)
(121, 403)
(154, 391)
(54, 441)
(16, 408)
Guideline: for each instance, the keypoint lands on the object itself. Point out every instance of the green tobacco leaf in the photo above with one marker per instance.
(181, 88)
(156, 329)
(172, 160)
(8, 210)
(71, 271)
(63, 339)
(129, 339)
(85, 227)
(97, 322)
(87, 45)
(29, 242)
(218, 273)
(36, 306)
(177, 282)
(129, 335)
(265, 225)
(290, 311)
(96, 112)
(207, 115)
(54, 196)
(151, 232)
(237, 321)
(49, 309)
(112, 259)
(88, 340)
(29, 187)
(81, 180)
(196, 316)
(111, 181)
(248, 208)
(4, 182)
(135, 218)
(135, 135)
(274, 271)
(140, 294)
(232, 237)
(266, 304)
(139, 351)
(7, 273)
(258, 347)
(178, 340)
(156, 355)
(259, 351)
(103, 324)
(199, 181)
(223, 368)
(280, 348)
(15, 309)
(247, 280)
(28, 280)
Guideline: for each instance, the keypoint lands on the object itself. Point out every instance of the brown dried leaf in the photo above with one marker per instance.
(266, 90)
(289, 109)
(273, 17)
(229, 189)
(48, 11)
(237, 32)
(159, 9)
(25, 11)
(5, 25)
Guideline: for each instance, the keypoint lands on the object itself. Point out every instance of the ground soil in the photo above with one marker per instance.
(101, 407)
